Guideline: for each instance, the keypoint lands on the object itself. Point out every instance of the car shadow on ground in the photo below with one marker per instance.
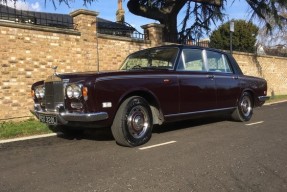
(188, 124)
(105, 134)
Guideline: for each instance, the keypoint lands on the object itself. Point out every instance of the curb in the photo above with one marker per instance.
(268, 104)
(28, 138)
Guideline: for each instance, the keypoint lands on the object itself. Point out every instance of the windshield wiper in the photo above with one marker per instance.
(136, 67)
(156, 68)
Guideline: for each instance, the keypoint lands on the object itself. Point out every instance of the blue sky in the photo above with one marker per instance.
(107, 10)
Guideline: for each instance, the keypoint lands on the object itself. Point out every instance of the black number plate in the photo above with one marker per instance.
(49, 119)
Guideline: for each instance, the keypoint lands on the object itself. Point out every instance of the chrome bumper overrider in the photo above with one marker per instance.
(263, 98)
(65, 117)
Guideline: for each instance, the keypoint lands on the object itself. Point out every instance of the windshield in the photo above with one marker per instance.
(159, 58)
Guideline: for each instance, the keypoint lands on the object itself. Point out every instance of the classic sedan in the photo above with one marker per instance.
(153, 86)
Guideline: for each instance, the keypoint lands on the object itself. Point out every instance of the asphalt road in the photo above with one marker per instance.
(210, 154)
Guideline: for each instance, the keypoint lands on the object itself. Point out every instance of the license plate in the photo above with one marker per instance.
(49, 119)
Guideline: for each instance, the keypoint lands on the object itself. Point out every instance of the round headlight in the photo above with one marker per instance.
(74, 91)
(37, 93)
(77, 93)
(69, 92)
(42, 92)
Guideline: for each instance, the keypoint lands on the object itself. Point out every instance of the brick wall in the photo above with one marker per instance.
(273, 69)
(27, 53)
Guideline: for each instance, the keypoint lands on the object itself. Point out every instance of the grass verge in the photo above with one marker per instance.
(29, 127)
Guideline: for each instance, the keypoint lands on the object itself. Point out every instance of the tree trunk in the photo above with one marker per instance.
(170, 33)
(166, 15)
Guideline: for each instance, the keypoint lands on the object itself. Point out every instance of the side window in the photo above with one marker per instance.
(191, 60)
(217, 62)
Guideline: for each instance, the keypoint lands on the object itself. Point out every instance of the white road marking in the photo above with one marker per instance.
(157, 145)
(28, 138)
(259, 122)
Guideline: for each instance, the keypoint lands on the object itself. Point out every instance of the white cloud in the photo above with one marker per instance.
(22, 5)
(36, 6)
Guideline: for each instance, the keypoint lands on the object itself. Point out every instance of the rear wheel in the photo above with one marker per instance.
(244, 110)
(132, 125)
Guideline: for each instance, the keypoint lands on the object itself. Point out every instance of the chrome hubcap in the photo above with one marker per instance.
(246, 106)
(138, 121)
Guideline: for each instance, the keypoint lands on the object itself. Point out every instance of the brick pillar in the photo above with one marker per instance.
(154, 32)
(85, 22)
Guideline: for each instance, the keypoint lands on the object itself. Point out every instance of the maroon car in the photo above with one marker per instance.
(153, 86)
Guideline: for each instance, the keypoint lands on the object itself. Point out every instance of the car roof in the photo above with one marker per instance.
(189, 47)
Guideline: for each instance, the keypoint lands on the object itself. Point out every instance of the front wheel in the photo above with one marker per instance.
(244, 110)
(132, 125)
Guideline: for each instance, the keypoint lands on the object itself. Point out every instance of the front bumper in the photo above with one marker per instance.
(65, 117)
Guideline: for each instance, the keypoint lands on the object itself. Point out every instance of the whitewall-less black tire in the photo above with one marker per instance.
(132, 125)
(244, 110)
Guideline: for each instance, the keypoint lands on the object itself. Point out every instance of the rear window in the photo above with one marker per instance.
(217, 62)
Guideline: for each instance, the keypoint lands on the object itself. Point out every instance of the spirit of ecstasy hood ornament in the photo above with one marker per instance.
(53, 77)
(55, 70)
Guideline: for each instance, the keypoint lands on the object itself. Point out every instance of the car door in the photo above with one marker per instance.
(196, 85)
(226, 82)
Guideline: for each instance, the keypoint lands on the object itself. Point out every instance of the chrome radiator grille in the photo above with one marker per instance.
(54, 94)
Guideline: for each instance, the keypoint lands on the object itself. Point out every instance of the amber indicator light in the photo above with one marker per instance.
(85, 91)
(32, 93)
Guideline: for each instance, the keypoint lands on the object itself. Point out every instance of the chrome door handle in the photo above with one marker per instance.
(210, 76)
(166, 81)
